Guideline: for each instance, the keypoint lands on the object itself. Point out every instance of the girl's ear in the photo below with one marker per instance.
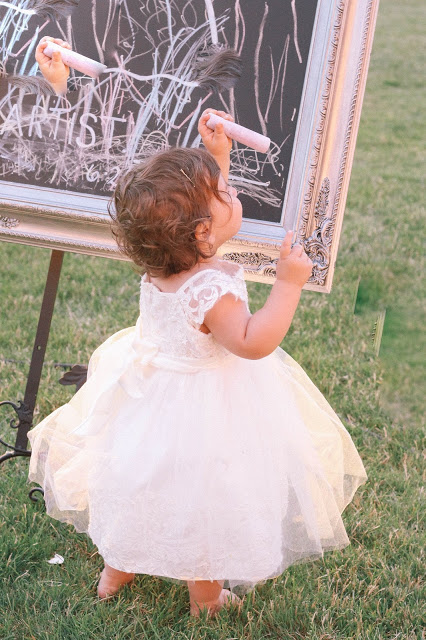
(204, 234)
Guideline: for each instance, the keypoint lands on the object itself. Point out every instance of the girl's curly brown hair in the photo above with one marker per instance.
(158, 205)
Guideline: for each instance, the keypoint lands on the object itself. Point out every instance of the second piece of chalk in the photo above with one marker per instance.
(76, 60)
(252, 139)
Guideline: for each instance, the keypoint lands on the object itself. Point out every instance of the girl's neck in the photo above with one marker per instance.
(174, 282)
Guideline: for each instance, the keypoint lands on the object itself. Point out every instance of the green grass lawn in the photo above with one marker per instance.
(372, 588)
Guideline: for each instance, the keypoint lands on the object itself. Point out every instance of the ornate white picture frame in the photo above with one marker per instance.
(318, 175)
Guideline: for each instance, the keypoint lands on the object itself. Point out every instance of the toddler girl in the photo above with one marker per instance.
(198, 450)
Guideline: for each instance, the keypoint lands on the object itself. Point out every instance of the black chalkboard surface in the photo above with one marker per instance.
(149, 97)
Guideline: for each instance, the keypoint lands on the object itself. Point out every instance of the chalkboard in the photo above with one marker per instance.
(304, 70)
(149, 99)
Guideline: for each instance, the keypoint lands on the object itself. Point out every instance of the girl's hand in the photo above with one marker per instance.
(53, 69)
(216, 142)
(294, 264)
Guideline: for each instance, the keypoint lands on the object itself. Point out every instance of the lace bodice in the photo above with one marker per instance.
(172, 321)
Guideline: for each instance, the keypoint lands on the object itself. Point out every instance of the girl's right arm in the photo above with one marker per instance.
(256, 336)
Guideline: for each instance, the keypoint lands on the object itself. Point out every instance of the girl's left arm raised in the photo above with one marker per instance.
(217, 142)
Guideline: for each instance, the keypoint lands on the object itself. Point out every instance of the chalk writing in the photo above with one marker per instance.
(150, 96)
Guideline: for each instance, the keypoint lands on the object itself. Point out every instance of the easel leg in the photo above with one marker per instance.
(25, 409)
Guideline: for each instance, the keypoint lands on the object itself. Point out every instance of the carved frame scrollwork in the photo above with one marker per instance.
(8, 223)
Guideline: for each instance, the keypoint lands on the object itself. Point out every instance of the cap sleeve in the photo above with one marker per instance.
(207, 288)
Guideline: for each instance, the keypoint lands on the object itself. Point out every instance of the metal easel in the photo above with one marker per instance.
(25, 409)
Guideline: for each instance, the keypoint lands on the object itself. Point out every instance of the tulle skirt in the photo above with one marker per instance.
(232, 470)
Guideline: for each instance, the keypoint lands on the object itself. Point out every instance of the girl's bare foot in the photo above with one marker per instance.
(111, 580)
(225, 598)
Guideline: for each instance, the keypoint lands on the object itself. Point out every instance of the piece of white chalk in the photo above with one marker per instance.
(76, 60)
(252, 139)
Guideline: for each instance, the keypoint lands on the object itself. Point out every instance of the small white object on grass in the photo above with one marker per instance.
(252, 139)
(57, 559)
(76, 60)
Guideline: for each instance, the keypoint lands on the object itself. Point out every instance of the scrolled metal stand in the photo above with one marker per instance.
(25, 409)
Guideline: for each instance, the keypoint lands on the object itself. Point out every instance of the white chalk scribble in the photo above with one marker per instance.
(150, 96)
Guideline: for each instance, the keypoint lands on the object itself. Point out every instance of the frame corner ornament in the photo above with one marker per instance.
(318, 244)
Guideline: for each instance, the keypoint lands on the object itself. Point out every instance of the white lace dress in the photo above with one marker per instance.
(181, 460)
